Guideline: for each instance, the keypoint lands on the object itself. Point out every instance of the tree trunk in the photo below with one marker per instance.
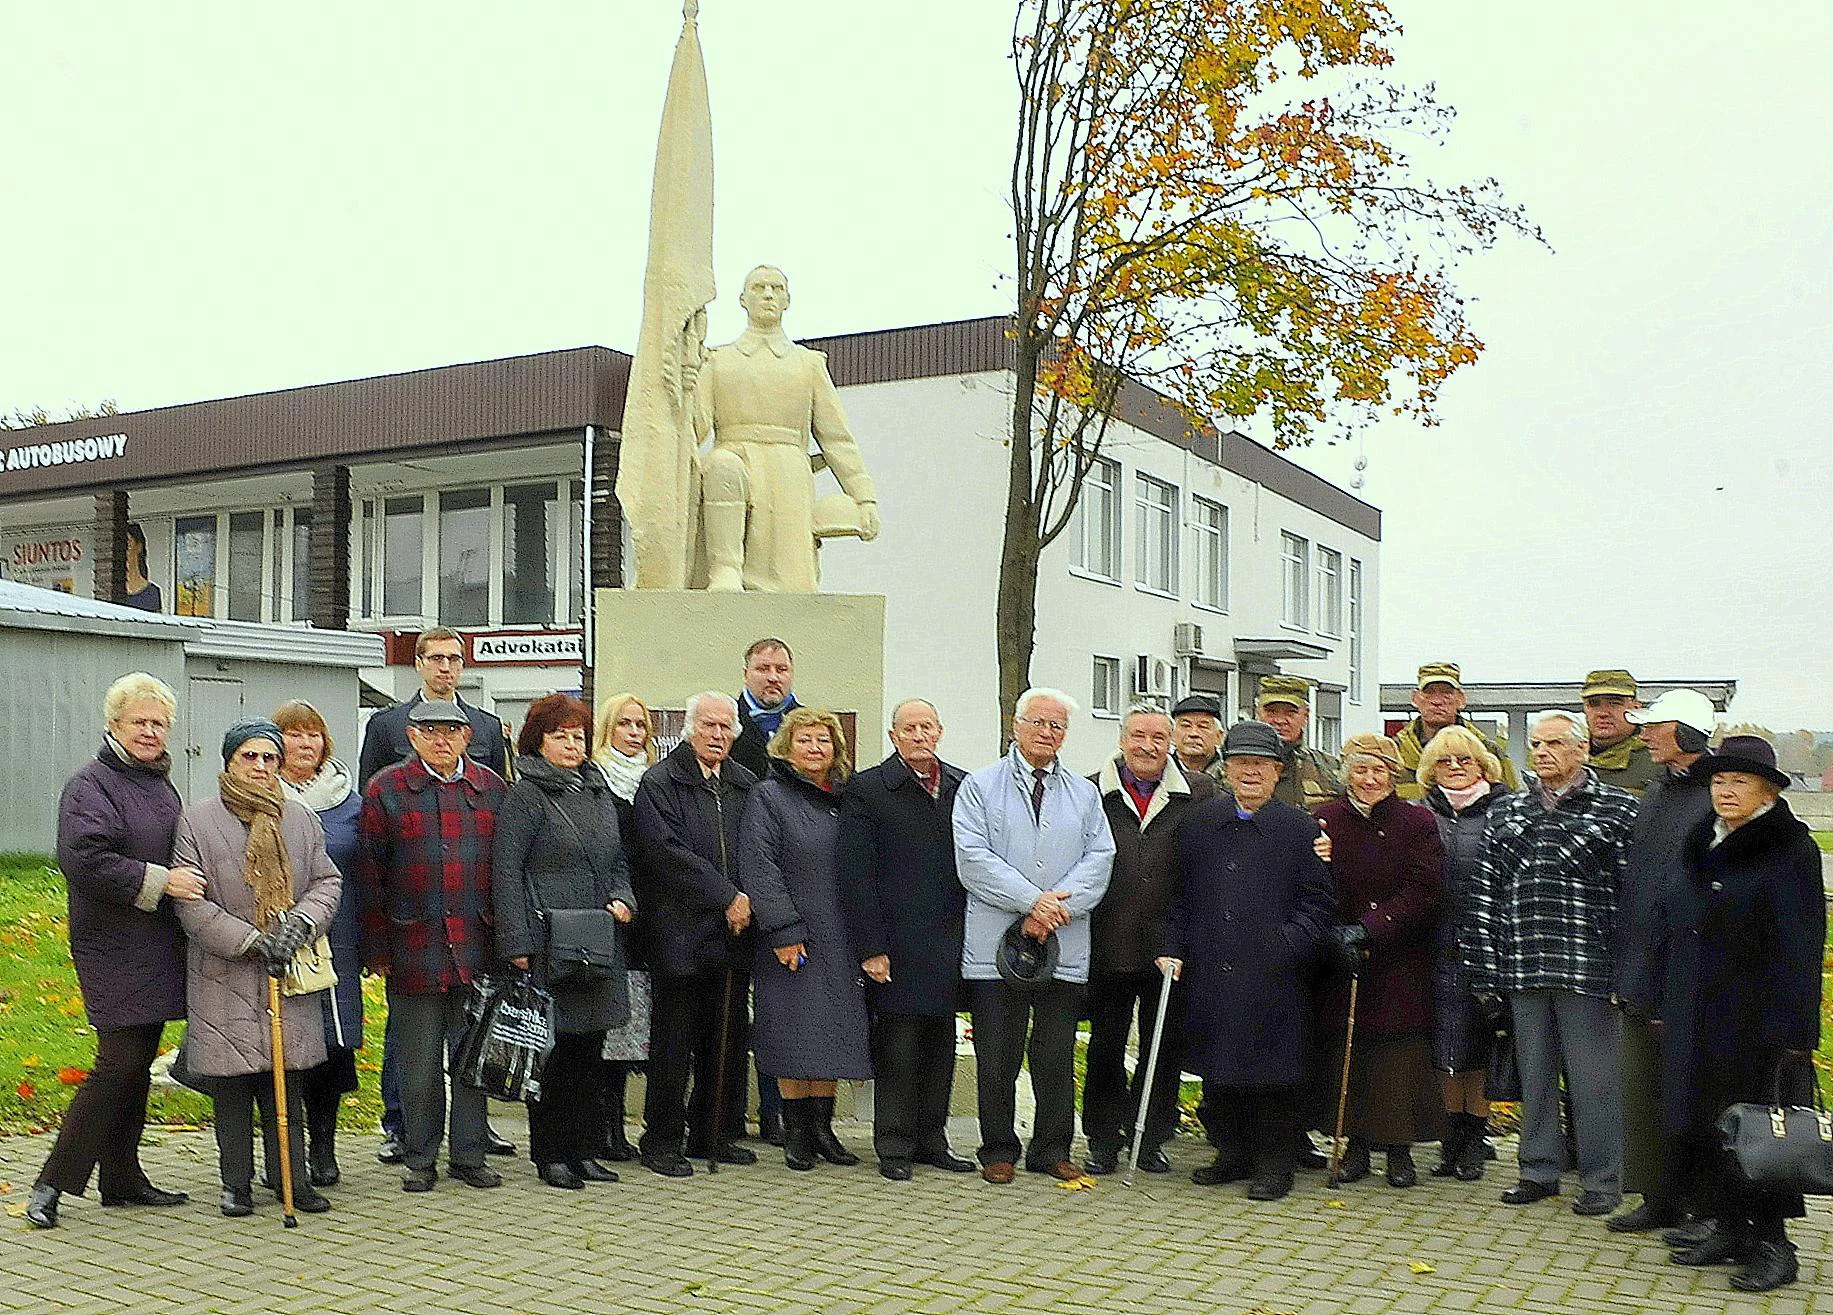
(1016, 623)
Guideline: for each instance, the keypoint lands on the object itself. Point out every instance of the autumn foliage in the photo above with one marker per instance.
(1217, 199)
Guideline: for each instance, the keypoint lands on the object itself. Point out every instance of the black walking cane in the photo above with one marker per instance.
(1145, 1095)
(719, 1076)
(280, 1117)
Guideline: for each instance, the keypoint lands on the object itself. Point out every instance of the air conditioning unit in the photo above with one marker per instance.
(1151, 676)
(1187, 639)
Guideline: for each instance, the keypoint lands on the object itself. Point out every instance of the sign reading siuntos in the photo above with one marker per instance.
(103, 447)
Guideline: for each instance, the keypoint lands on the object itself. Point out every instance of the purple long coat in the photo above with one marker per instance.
(116, 820)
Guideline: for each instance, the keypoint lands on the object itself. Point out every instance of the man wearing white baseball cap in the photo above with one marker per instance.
(1676, 728)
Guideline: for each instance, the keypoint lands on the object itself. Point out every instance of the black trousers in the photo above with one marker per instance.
(687, 1041)
(567, 1123)
(913, 1063)
(1036, 1026)
(1256, 1126)
(1110, 1103)
(103, 1124)
(236, 1099)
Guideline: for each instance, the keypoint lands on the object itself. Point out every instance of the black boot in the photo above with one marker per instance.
(1770, 1265)
(1476, 1150)
(798, 1139)
(1451, 1145)
(1354, 1165)
(617, 1141)
(321, 1157)
(827, 1146)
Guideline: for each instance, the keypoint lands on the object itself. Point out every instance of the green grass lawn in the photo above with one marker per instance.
(46, 1043)
(1825, 840)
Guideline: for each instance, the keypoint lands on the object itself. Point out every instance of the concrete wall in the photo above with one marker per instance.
(51, 717)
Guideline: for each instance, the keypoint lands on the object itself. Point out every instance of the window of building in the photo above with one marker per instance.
(574, 556)
(464, 558)
(1098, 521)
(1329, 711)
(1355, 631)
(1295, 554)
(403, 550)
(531, 549)
(1329, 591)
(194, 553)
(247, 549)
(1155, 543)
(300, 604)
(1105, 694)
(1209, 541)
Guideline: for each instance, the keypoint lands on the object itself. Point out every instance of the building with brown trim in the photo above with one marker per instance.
(459, 495)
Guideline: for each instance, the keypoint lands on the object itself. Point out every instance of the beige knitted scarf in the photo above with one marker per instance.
(266, 864)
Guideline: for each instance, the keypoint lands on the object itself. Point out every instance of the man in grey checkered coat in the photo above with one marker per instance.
(1538, 933)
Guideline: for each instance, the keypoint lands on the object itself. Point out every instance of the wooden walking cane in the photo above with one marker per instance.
(280, 1119)
(719, 1078)
(1349, 1045)
(1145, 1095)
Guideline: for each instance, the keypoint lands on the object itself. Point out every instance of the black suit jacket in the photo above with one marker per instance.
(385, 740)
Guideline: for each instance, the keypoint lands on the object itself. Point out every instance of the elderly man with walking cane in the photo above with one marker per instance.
(1251, 910)
(687, 810)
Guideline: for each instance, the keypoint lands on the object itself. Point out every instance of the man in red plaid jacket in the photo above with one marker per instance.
(427, 831)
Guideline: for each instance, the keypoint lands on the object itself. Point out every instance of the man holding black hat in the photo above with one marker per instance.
(1618, 755)
(1676, 728)
(1438, 702)
(1196, 735)
(428, 831)
(1034, 853)
(1252, 906)
(1310, 777)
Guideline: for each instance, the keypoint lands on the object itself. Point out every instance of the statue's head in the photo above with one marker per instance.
(765, 296)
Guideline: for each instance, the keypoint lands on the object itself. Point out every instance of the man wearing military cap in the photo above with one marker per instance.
(1618, 755)
(1438, 701)
(1311, 777)
(1196, 735)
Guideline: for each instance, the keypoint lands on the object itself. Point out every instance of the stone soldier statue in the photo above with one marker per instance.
(759, 399)
(1311, 777)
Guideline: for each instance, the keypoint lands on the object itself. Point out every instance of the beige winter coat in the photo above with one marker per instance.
(226, 994)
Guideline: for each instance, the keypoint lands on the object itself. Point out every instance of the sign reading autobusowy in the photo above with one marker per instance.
(66, 452)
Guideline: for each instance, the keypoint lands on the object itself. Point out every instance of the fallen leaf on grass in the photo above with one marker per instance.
(72, 1077)
(26, 1090)
(30, 1061)
(1421, 1267)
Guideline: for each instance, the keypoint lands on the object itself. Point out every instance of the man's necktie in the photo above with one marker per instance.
(1037, 792)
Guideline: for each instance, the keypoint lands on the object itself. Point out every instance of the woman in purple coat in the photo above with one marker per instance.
(115, 824)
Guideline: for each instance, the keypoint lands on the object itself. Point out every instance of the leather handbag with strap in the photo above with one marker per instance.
(1787, 1148)
(582, 946)
(310, 969)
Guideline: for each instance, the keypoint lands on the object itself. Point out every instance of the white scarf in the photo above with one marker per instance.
(622, 772)
(328, 788)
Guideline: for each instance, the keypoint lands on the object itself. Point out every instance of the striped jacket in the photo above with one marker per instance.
(1542, 905)
(423, 868)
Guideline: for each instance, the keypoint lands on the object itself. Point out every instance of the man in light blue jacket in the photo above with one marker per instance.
(1033, 850)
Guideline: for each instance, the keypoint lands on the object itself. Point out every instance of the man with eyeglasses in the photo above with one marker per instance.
(439, 657)
(428, 831)
(1033, 850)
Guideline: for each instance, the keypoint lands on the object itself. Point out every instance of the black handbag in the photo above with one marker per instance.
(1502, 1077)
(1785, 1148)
(581, 946)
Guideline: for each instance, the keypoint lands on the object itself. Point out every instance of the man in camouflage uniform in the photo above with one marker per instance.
(1196, 735)
(1438, 699)
(1618, 755)
(1310, 777)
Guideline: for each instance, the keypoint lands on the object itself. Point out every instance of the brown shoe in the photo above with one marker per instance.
(1066, 1170)
(999, 1172)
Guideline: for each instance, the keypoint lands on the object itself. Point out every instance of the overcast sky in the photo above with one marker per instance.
(212, 199)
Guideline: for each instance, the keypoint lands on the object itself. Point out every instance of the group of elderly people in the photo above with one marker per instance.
(1355, 965)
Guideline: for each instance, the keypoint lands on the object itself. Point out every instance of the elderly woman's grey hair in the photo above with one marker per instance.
(696, 702)
(1037, 692)
(133, 687)
(1575, 723)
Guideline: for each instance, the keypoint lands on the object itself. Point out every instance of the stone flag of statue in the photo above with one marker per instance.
(657, 480)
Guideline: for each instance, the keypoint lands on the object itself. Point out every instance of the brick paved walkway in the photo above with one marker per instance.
(842, 1240)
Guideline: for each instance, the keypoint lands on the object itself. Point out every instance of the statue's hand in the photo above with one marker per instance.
(868, 521)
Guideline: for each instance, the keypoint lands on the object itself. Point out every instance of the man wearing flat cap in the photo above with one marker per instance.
(1311, 777)
(428, 831)
(1438, 702)
(1252, 905)
(1618, 755)
(1196, 735)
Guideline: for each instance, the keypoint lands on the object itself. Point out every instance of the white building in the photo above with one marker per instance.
(457, 496)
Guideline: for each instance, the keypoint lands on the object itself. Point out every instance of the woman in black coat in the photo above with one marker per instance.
(1740, 1007)
(811, 1005)
(1464, 778)
(557, 847)
(115, 825)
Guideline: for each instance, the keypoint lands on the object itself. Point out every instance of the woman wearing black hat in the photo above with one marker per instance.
(1740, 1006)
(270, 890)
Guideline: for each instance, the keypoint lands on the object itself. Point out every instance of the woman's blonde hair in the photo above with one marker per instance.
(608, 715)
(797, 718)
(133, 687)
(1458, 740)
(296, 715)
